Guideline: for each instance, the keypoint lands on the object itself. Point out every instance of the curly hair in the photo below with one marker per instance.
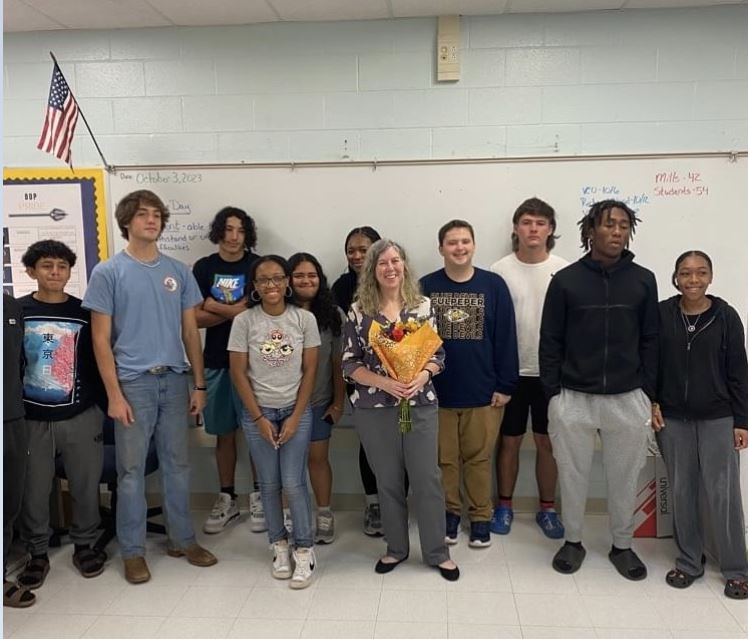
(535, 206)
(218, 226)
(48, 248)
(595, 216)
(322, 307)
(130, 204)
(367, 293)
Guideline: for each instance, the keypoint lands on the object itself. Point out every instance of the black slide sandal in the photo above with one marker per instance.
(569, 558)
(628, 564)
(34, 573)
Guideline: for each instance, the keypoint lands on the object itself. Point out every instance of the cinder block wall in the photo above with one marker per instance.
(598, 82)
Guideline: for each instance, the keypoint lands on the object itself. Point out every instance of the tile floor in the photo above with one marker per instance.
(507, 591)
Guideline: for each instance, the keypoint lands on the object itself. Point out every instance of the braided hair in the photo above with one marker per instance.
(594, 217)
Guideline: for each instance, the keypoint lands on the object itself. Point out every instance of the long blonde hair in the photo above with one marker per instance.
(367, 293)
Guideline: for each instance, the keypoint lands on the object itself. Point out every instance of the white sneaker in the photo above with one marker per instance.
(325, 528)
(257, 521)
(305, 562)
(281, 560)
(224, 512)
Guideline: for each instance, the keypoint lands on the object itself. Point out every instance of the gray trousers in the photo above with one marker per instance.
(79, 441)
(701, 460)
(623, 421)
(15, 456)
(392, 454)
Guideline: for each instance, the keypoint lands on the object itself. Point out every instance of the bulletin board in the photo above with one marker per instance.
(60, 204)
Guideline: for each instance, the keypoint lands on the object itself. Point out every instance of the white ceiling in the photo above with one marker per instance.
(36, 15)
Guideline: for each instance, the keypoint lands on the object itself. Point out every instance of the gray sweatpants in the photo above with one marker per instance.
(701, 460)
(79, 441)
(623, 422)
(392, 454)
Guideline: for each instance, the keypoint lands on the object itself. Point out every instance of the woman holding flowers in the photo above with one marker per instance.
(389, 300)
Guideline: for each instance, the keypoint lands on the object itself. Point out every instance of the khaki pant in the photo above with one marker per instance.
(467, 437)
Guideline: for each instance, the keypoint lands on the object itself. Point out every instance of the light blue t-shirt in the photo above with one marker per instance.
(145, 301)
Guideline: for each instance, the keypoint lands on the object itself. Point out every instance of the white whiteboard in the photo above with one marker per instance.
(684, 203)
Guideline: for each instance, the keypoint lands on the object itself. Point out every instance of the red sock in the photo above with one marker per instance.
(505, 502)
(548, 505)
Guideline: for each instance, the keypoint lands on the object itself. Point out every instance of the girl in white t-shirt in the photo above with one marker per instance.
(273, 350)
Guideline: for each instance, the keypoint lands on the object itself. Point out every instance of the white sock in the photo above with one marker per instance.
(372, 499)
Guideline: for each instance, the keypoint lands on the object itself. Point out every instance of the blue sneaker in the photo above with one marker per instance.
(480, 534)
(550, 524)
(453, 527)
(501, 522)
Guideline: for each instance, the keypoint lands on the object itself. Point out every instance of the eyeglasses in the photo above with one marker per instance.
(265, 282)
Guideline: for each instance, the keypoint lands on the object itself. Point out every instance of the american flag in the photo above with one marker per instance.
(61, 118)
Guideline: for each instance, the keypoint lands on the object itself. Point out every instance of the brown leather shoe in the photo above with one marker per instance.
(196, 555)
(136, 570)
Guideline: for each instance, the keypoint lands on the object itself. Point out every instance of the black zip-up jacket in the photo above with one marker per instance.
(599, 329)
(709, 379)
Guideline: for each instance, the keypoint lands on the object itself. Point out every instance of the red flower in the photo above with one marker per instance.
(398, 333)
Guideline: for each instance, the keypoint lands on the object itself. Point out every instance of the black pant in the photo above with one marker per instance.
(15, 454)
(368, 478)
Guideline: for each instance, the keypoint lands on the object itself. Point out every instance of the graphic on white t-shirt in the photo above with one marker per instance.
(276, 349)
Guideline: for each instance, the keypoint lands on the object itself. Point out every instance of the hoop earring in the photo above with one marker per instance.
(254, 295)
(289, 292)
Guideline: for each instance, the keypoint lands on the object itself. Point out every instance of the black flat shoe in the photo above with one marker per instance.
(450, 574)
(383, 568)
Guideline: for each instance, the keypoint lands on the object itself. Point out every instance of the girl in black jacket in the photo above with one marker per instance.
(701, 419)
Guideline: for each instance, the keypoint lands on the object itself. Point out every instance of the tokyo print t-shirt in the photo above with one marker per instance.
(61, 379)
(274, 344)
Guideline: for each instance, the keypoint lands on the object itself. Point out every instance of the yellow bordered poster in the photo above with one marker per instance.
(58, 204)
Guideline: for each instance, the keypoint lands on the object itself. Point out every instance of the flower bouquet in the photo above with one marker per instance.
(404, 348)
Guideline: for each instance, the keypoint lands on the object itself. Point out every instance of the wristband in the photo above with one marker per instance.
(430, 374)
(257, 419)
(200, 388)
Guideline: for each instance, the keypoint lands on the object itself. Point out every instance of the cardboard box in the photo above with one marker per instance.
(653, 515)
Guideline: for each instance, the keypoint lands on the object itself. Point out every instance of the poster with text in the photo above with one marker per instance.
(56, 204)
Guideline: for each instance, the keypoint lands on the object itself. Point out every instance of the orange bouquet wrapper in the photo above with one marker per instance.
(404, 348)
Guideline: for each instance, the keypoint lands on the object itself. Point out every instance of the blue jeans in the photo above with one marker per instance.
(283, 470)
(160, 404)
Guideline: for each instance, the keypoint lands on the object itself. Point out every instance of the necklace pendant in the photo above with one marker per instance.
(691, 328)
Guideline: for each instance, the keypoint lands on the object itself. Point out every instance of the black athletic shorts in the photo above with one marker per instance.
(528, 399)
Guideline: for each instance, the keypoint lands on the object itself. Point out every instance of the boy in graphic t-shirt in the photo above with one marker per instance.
(61, 392)
(223, 281)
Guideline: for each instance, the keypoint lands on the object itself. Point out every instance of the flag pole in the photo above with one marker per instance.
(107, 166)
